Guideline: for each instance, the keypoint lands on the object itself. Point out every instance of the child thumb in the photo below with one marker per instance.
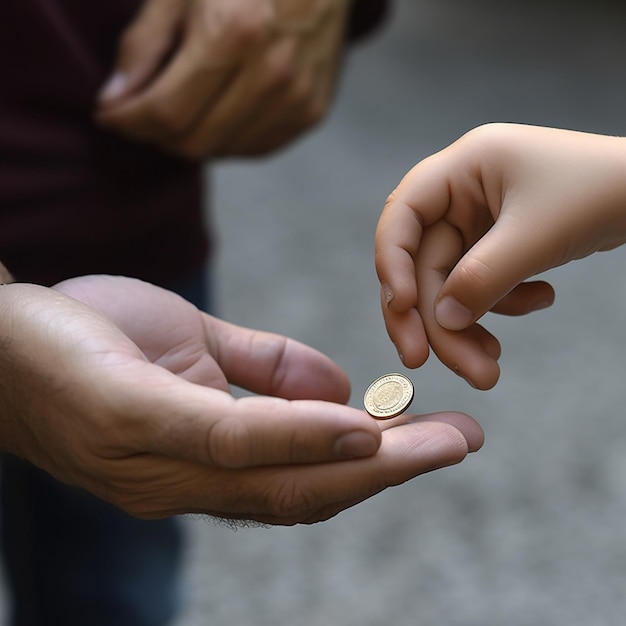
(485, 275)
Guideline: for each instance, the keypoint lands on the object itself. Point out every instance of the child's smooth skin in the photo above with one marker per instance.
(467, 226)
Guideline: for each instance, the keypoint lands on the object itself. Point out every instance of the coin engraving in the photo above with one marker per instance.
(388, 396)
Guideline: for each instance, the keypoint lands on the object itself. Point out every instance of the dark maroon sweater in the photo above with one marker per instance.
(75, 199)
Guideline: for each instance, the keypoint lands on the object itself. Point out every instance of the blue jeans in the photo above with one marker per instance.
(74, 560)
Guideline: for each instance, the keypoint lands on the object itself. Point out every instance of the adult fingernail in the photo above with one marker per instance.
(452, 315)
(114, 87)
(355, 445)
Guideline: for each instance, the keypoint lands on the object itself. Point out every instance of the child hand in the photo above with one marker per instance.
(467, 226)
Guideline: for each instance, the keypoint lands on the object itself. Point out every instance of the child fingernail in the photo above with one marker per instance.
(387, 293)
(452, 315)
(395, 345)
(538, 306)
(457, 371)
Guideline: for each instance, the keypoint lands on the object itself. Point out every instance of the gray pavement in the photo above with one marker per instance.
(531, 529)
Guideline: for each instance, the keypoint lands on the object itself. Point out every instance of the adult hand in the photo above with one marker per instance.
(224, 77)
(467, 226)
(122, 388)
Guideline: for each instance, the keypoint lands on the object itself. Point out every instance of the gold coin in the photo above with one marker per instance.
(388, 396)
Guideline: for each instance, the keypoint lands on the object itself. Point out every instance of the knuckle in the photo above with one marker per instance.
(279, 68)
(278, 77)
(164, 120)
(140, 496)
(314, 113)
(301, 448)
(474, 271)
(299, 95)
(391, 198)
(307, 106)
(126, 496)
(392, 202)
(240, 30)
(290, 500)
(490, 138)
(228, 443)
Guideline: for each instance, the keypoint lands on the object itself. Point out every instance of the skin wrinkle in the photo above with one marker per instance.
(533, 213)
(279, 66)
(244, 29)
(131, 494)
(471, 269)
(141, 443)
(332, 510)
(170, 124)
(418, 218)
(409, 248)
(191, 365)
(291, 500)
(19, 413)
(189, 127)
(239, 499)
(468, 236)
(278, 372)
(223, 442)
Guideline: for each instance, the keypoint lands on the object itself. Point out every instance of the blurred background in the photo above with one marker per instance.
(530, 530)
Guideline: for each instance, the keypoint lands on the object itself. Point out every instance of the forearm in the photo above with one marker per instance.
(613, 197)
